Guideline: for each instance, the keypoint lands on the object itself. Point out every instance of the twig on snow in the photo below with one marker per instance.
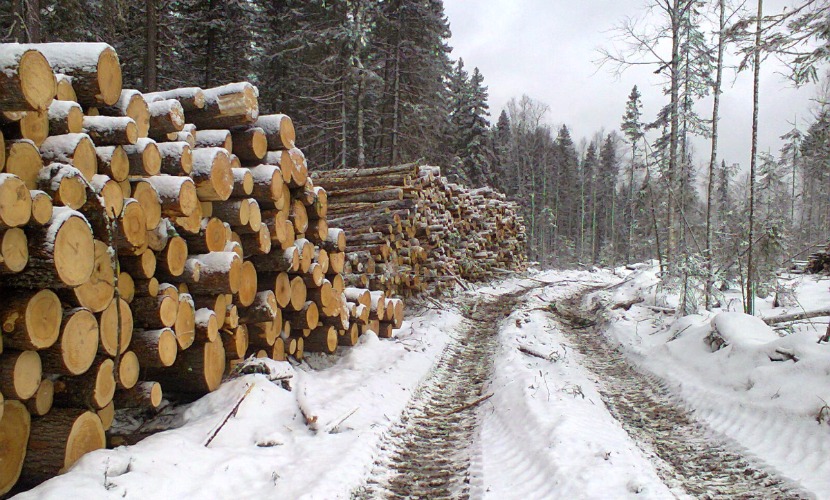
(228, 417)
(469, 405)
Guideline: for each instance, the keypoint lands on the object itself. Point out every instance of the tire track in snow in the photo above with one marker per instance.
(428, 453)
(689, 455)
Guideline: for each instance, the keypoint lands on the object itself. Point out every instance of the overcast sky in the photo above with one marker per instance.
(546, 49)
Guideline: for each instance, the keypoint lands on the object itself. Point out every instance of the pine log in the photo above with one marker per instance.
(110, 130)
(234, 212)
(32, 125)
(65, 118)
(243, 183)
(264, 308)
(65, 91)
(61, 253)
(211, 237)
(285, 260)
(95, 294)
(77, 150)
(22, 158)
(214, 139)
(144, 157)
(212, 174)
(154, 312)
(145, 396)
(166, 116)
(93, 389)
(75, 350)
(40, 404)
(30, 320)
(128, 370)
(20, 374)
(171, 260)
(185, 326)
(258, 243)
(130, 104)
(113, 162)
(268, 182)
(279, 131)
(14, 250)
(177, 194)
(197, 370)
(321, 339)
(308, 317)
(176, 158)
(15, 202)
(108, 326)
(190, 98)
(221, 272)
(235, 341)
(106, 189)
(93, 67)
(262, 335)
(41, 207)
(154, 348)
(227, 106)
(27, 80)
(58, 440)
(65, 184)
(15, 426)
(249, 143)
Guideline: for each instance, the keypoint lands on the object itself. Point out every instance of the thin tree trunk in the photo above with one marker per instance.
(344, 117)
(631, 203)
(151, 39)
(209, 47)
(750, 265)
(33, 21)
(361, 142)
(710, 190)
(674, 125)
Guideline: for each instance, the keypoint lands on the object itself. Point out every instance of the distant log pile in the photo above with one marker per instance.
(819, 262)
(411, 231)
(148, 243)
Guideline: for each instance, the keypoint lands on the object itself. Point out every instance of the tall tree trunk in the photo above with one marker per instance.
(151, 40)
(396, 100)
(209, 46)
(750, 265)
(630, 238)
(674, 125)
(361, 141)
(32, 21)
(713, 157)
(344, 118)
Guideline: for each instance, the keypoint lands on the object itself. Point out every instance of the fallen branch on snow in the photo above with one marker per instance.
(469, 405)
(772, 320)
(531, 352)
(627, 304)
(229, 415)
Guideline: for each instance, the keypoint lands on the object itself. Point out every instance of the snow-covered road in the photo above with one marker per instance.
(559, 412)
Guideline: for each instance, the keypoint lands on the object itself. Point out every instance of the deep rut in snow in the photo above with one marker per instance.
(427, 454)
(689, 456)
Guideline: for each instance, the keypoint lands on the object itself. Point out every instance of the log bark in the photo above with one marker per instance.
(249, 143)
(144, 157)
(65, 118)
(113, 162)
(197, 370)
(144, 396)
(190, 98)
(110, 130)
(177, 195)
(58, 440)
(176, 158)
(166, 116)
(130, 104)
(279, 131)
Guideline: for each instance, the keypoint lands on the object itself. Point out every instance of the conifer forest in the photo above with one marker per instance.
(373, 83)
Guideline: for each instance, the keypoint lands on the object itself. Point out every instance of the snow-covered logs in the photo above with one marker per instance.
(148, 242)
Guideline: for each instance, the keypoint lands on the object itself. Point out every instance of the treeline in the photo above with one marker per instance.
(367, 83)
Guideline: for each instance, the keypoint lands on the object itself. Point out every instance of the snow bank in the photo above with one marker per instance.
(763, 390)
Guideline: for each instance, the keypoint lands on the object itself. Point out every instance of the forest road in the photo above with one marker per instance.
(427, 454)
(689, 457)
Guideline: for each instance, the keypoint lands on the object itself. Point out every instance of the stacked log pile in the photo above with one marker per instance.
(819, 262)
(410, 230)
(148, 242)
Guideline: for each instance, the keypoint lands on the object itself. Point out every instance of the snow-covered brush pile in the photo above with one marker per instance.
(767, 387)
(148, 242)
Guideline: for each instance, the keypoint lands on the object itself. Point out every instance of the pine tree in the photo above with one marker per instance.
(632, 128)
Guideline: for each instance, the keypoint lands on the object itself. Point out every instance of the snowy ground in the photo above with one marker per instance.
(544, 433)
